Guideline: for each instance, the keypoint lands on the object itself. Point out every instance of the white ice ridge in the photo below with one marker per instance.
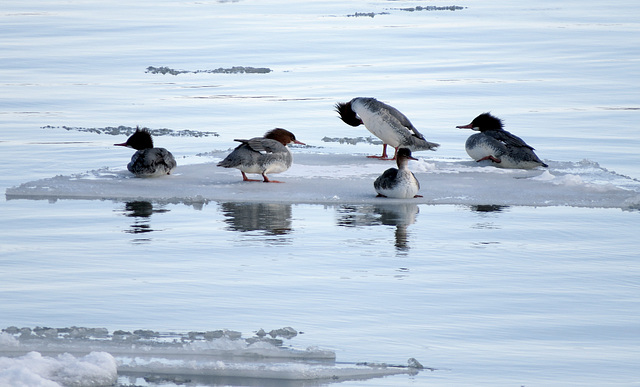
(33, 369)
(58, 357)
(340, 178)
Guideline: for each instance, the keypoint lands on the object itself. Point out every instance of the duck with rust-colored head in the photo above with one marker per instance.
(263, 155)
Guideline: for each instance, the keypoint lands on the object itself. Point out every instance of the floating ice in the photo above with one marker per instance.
(34, 369)
(129, 130)
(54, 357)
(220, 70)
(331, 178)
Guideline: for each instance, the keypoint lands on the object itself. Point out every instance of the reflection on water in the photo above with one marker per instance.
(398, 215)
(272, 218)
(486, 212)
(141, 212)
(134, 379)
(488, 208)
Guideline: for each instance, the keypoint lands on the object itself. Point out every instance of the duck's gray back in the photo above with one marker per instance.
(152, 162)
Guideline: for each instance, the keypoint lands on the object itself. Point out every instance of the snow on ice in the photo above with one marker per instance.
(78, 356)
(344, 178)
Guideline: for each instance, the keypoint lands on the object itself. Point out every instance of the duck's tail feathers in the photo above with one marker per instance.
(420, 145)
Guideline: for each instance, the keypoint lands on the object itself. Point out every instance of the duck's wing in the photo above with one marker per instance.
(263, 145)
(387, 180)
(508, 138)
(402, 119)
(164, 157)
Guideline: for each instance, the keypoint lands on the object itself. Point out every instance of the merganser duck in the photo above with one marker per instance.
(268, 154)
(148, 161)
(398, 183)
(496, 144)
(386, 123)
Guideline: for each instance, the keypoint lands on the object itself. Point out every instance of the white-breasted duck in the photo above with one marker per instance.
(385, 122)
(148, 161)
(502, 148)
(263, 155)
(398, 183)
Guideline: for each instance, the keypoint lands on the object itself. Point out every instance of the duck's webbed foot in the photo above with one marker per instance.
(494, 159)
(384, 154)
(245, 178)
(267, 180)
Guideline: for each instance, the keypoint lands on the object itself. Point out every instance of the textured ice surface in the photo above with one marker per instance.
(340, 178)
(35, 369)
(54, 357)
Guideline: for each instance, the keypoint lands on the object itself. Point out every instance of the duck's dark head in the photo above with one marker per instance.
(283, 136)
(141, 139)
(403, 156)
(347, 114)
(484, 122)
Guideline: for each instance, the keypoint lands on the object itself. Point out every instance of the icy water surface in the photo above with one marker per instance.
(499, 295)
(494, 277)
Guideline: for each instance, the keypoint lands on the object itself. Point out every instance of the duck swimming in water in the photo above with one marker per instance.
(148, 161)
(496, 144)
(386, 123)
(268, 154)
(398, 183)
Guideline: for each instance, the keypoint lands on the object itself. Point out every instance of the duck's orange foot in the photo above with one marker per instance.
(383, 157)
(245, 178)
(494, 159)
(266, 179)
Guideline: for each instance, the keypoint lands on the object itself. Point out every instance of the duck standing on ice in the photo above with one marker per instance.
(268, 154)
(496, 144)
(148, 161)
(398, 183)
(386, 123)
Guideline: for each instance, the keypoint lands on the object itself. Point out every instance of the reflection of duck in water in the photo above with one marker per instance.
(389, 213)
(268, 154)
(496, 144)
(148, 161)
(273, 218)
(386, 123)
(398, 183)
(140, 211)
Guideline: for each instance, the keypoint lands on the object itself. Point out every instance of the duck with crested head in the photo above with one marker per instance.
(398, 183)
(385, 122)
(148, 161)
(263, 155)
(502, 148)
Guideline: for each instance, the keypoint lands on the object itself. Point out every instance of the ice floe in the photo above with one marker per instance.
(77, 356)
(344, 178)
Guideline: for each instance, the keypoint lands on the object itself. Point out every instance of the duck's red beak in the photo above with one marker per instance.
(123, 144)
(465, 126)
(298, 142)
